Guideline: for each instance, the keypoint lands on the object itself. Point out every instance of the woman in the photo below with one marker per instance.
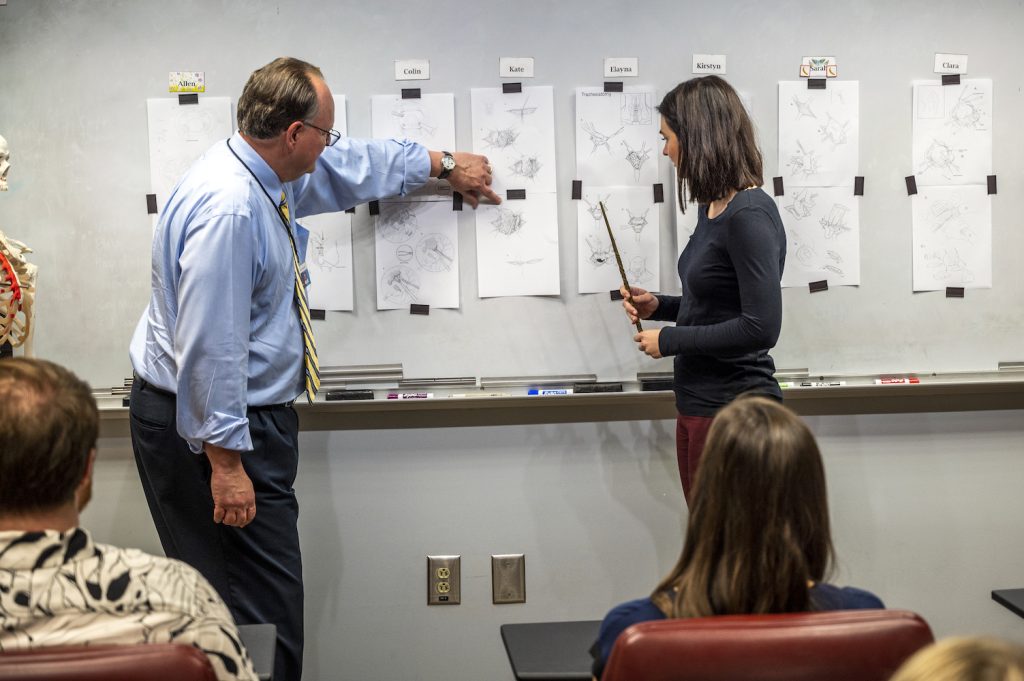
(969, 658)
(730, 311)
(758, 538)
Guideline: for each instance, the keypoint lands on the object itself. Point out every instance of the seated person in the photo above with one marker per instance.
(59, 587)
(968, 658)
(758, 538)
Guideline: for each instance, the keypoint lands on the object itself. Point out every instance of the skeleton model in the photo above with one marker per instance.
(17, 293)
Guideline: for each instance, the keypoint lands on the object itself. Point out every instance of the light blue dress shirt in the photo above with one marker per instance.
(221, 330)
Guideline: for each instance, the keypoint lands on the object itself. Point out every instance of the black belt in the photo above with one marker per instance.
(146, 385)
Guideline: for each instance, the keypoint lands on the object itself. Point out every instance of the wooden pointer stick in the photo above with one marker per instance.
(618, 259)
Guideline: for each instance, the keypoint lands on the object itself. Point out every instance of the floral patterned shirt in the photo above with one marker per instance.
(62, 589)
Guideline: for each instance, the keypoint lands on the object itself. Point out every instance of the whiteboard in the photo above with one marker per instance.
(75, 77)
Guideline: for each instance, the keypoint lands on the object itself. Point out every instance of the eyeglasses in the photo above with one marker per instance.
(332, 136)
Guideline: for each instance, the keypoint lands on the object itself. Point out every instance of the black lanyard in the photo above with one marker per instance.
(277, 206)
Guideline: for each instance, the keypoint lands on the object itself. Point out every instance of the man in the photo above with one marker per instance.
(58, 587)
(225, 346)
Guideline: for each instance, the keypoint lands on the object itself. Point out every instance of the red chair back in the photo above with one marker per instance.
(144, 662)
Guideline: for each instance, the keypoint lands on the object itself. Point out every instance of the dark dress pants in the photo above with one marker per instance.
(257, 570)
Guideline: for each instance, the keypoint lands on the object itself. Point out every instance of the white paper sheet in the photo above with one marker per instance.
(517, 134)
(329, 261)
(952, 237)
(179, 134)
(819, 134)
(636, 223)
(517, 247)
(429, 120)
(617, 139)
(822, 235)
(417, 254)
(952, 132)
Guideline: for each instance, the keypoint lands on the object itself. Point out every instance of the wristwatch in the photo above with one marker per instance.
(447, 165)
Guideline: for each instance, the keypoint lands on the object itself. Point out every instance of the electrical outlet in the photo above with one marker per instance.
(443, 576)
(508, 578)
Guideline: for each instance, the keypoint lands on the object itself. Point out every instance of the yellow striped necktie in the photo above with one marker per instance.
(310, 363)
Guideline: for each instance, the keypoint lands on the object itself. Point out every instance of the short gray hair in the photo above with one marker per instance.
(277, 95)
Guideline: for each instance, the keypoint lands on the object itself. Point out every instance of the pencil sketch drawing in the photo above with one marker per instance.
(803, 107)
(598, 138)
(397, 222)
(502, 138)
(637, 272)
(522, 264)
(435, 253)
(636, 222)
(595, 208)
(966, 112)
(948, 220)
(400, 284)
(834, 223)
(833, 131)
(833, 268)
(321, 257)
(522, 111)
(600, 255)
(943, 157)
(947, 266)
(636, 108)
(803, 204)
(412, 122)
(834, 256)
(804, 161)
(403, 253)
(526, 166)
(636, 157)
(508, 222)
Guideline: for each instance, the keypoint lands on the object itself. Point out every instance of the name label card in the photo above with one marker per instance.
(950, 63)
(515, 67)
(621, 67)
(819, 67)
(709, 63)
(412, 69)
(186, 81)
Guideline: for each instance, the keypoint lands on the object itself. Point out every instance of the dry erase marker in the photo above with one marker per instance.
(549, 391)
(471, 395)
(409, 396)
(821, 384)
(786, 384)
(897, 380)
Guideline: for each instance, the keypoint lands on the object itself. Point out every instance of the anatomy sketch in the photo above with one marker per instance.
(635, 222)
(329, 261)
(952, 232)
(952, 132)
(516, 131)
(822, 236)
(819, 134)
(517, 247)
(612, 127)
(417, 254)
(429, 120)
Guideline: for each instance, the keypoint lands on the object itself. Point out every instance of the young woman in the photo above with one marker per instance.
(968, 658)
(730, 312)
(758, 538)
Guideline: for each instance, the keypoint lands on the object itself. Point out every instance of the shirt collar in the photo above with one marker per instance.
(44, 549)
(263, 172)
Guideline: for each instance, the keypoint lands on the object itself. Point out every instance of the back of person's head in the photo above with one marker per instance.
(758, 530)
(48, 426)
(718, 149)
(277, 95)
(969, 658)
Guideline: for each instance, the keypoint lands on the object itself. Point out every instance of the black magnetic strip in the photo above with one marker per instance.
(613, 86)
(318, 314)
(410, 93)
(615, 294)
(815, 83)
(151, 204)
(911, 185)
(659, 193)
(456, 201)
(351, 210)
(577, 190)
(511, 88)
(818, 286)
(188, 98)
(374, 207)
(779, 189)
(514, 194)
(858, 185)
(419, 308)
(951, 79)
(991, 179)
(954, 292)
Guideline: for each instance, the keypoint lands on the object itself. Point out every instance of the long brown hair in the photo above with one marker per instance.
(718, 149)
(758, 530)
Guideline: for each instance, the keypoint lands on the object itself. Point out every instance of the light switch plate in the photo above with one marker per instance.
(508, 578)
(443, 578)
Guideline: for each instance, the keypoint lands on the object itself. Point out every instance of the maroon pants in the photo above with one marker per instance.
(691, 432)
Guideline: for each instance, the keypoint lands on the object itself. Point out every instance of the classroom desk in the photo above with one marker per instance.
(550, 651)
(261, 641)
(1012, 599)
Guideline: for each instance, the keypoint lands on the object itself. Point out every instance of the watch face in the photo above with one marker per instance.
(448, 162)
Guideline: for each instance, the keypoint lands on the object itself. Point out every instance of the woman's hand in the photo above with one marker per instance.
(638, 303)
(648, 342)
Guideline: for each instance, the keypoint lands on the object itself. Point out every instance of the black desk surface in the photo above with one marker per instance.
(1011, 598)
(550, 651)
(261, 641)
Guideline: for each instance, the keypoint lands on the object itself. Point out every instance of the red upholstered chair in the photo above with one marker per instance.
(149, 662)
(843, 645)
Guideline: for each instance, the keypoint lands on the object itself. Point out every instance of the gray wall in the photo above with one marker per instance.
(74, 77)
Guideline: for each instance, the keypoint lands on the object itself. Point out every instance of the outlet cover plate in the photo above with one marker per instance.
(508, 578)
(444, 574)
